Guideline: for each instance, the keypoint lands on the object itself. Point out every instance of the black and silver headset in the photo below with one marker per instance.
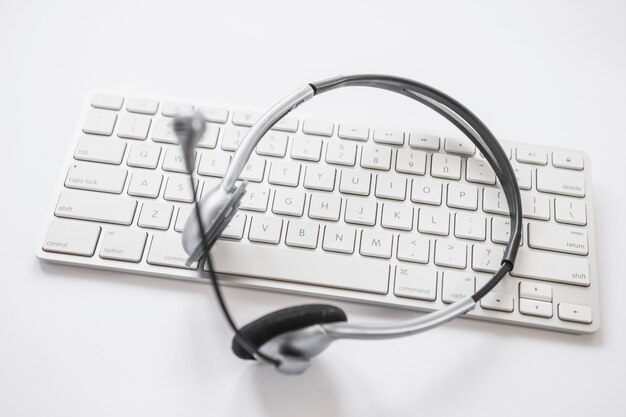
(290, 337)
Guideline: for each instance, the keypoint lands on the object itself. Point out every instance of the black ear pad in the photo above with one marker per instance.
(283, 321)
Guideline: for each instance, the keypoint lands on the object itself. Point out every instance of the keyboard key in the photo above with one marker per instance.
(561, 182)
(390, 186)
(273, 144)
(232, 138)
(235, 227)
(535, 308)
(389, 136)
(360, 211)
(494, 201)
(214, 114)
(322, 269)
(446, 166)
(245, 118)
(547, 266)
(306, 148)
(100, 122)
(99, 149)
(178, 188)
(376, 244)
(107, 101)
(434, 222)
(143, 155)
(172, 109)
(353, 132)
(74, 238)
(413, 282)
(413, 249)
(575, 313)
(181, 218)
(284, 173)
(254, 170)
(568, 160)
(486, 258)
(540, 292)
(462, 196)
(426, 191)
(341, 153)
(456, 286)
(531, 156)
(164, 131)
(167, 250)
(318, 127)
(535, 206)
(214, 164)
(96, 177)
(570, 211)
(132, 126)
(96, 207)
(500, 230)
(376, 157)
(289, 202)
(355, 182)
(155, 216)
(174, 160)
(142, 105)
(209, 139)
(265, 229)
(339, 239)
(145, 184)
(497, 302)
(523, 176)
(479, 171)
(411, 162)
(470, 226)
(325, 207)
(123, 244)
(302, 234)
(397, 216)
(450, 253)
(286, 124)
(422, 141)
(558, 238)
(459, 146)
(255, 198)
(319, 177)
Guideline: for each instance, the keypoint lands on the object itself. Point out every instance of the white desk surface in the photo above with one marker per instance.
(77, 342)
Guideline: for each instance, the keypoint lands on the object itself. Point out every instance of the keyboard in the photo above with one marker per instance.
(386, 216)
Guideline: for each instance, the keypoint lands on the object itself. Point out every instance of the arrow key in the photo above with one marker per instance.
(575, 313)
(540, 292)
(535, 308)
(498, 302)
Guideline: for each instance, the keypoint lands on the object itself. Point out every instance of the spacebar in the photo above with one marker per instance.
(301, 266)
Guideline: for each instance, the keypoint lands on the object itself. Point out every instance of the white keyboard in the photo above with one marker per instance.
(384, 216)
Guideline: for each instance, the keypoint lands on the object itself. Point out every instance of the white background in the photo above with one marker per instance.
(76, 342)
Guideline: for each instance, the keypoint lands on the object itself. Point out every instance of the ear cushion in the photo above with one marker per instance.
(283, 321)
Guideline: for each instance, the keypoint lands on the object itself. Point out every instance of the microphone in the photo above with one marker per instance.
(189, 128)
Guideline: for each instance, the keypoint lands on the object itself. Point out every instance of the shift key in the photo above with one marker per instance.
(95, 207)
(552, 267)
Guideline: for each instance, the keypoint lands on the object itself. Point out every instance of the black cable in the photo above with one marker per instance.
(243, 341)
(497, 277)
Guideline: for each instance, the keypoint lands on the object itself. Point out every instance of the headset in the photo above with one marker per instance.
(289, 338)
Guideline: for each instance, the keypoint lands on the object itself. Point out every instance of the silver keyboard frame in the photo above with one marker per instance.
(573, 294)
